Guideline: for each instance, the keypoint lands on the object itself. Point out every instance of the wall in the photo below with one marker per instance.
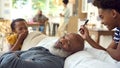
(0, 8)
(5, 9)
(73, 21)
(81, 15)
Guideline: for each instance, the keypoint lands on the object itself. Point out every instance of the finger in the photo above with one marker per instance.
(81, 26)
(81, 31)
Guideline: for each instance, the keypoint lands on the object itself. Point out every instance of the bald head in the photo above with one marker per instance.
(77, 42)
(71, 42)
(39, 12)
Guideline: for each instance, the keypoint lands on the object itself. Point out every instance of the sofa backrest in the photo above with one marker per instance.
(32, 40)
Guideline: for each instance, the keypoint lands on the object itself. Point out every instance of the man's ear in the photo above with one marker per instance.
(115, 13)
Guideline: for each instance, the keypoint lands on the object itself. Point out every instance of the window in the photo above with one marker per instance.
(84, 6)
(27, 8)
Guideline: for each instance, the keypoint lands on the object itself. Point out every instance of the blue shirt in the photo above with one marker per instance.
(116, 37)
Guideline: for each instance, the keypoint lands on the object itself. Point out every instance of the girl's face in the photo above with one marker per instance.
(21, 27)
(108, 18)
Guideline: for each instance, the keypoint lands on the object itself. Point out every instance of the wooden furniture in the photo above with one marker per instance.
(55, 28)
(35, 26)
(54, 23)
(47, 28)
(99, 32)
(1, 42)
(5, 26)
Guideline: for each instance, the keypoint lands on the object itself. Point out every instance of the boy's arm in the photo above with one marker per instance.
(13, 41)
(114, 50)
(94, 44)
(19, 42)
(85, 35)
(113, 45)
(16, 46)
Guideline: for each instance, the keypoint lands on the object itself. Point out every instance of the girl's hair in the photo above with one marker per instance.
(65, 1)
(108, 4)
(14, 21)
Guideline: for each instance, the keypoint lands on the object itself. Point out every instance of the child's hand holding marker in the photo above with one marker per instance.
(82, 30)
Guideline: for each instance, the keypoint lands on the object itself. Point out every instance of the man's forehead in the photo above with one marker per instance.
(71, 36)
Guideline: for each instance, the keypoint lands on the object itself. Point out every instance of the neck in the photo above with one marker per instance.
(118, 20)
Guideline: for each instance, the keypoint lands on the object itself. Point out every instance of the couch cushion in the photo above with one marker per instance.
(32, 40)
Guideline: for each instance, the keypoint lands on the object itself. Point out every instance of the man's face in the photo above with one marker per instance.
(107, 18)
(71, 43)
(39, 12)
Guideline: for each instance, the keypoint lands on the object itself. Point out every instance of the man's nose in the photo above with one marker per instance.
(102, 22)
(63, 41)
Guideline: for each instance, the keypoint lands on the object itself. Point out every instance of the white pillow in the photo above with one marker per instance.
(101, 55)
(76, 58)
(85, 59)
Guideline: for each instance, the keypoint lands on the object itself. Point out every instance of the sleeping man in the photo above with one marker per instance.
(46, 55)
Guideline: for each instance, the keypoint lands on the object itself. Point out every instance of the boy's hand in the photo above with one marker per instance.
(22, 36)
(84, 32)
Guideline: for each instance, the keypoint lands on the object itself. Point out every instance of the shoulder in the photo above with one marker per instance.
(11, 38)
(116, 35)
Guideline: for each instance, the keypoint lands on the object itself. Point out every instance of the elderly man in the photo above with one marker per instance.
(44, 56)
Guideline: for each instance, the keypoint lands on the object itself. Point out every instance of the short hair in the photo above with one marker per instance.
(65, 1)
(14, 21)
(107, 4)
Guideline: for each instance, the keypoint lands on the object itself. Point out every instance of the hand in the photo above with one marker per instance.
(84, 32)
(22, 36)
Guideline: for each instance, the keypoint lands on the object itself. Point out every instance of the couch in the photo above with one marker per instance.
(88, 58)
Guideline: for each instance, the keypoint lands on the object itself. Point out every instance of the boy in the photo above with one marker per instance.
(109, 12)
(19, 33)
